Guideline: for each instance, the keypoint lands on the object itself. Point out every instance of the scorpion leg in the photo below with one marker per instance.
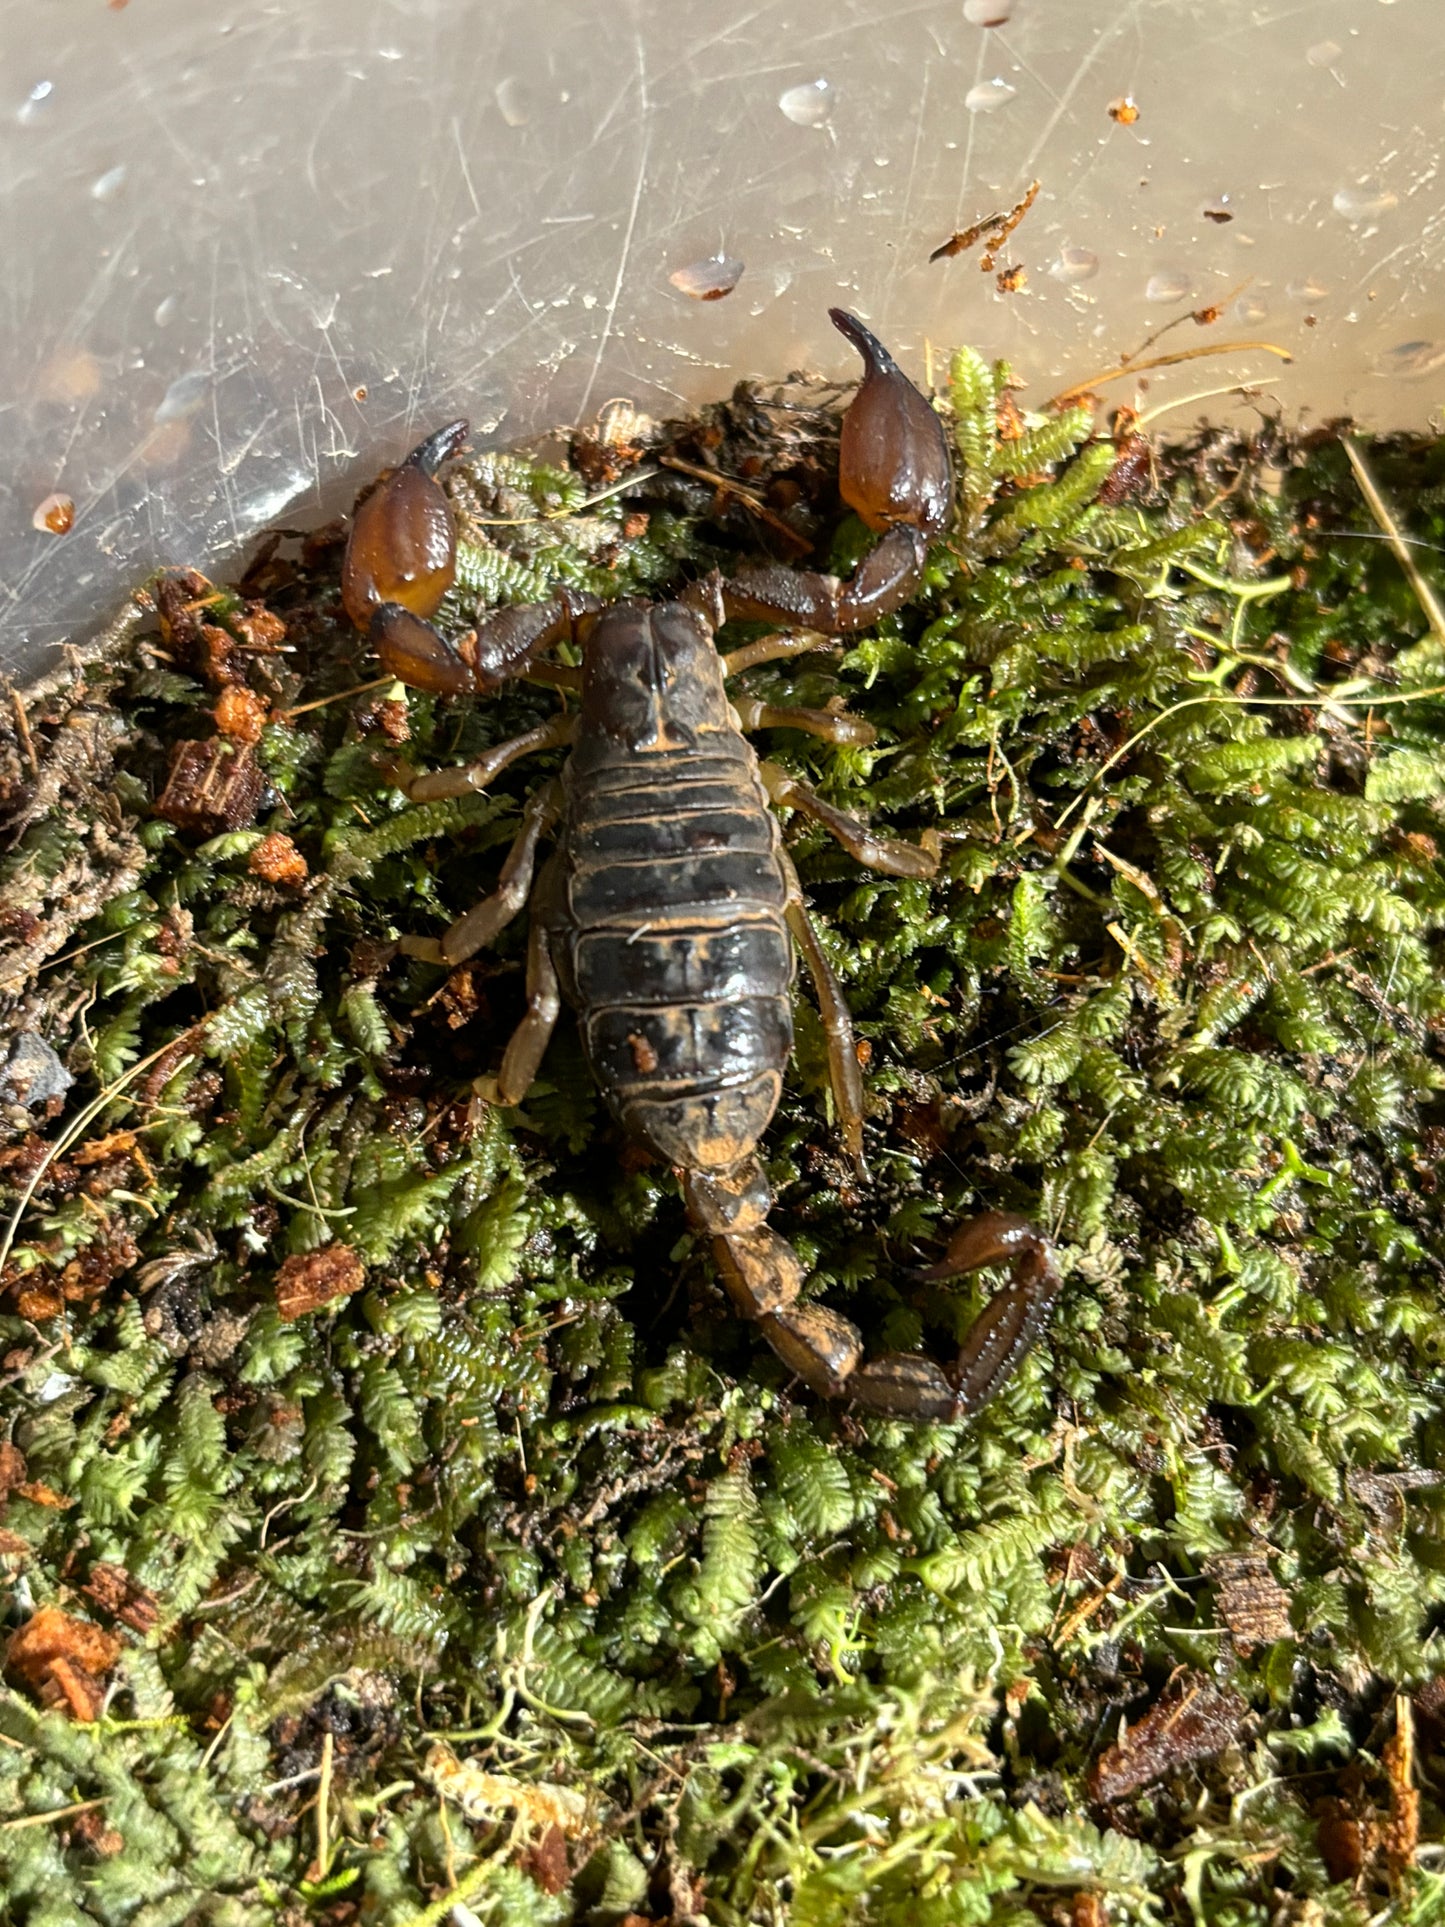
(461, 781)
(893, 469)
(529, 1040)
(480, 924)
(887, 854)
(1002, 1335)
(832, 725)
(843, 1073)
(804, 642)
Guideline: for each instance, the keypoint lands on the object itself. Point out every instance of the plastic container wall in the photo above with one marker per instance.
(254, 252)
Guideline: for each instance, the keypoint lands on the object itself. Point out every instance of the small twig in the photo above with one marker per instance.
(323, 1803)
(1081, 388)
(1250, 702)
(67, 1137)
(22, 724)
(55, 1813)
(322, 702)
(1380, 509)
(725, 486)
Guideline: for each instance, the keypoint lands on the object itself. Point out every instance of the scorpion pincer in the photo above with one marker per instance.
(668, 913)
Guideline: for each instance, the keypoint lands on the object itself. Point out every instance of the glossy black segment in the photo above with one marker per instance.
(687, 965)
(696, 1044)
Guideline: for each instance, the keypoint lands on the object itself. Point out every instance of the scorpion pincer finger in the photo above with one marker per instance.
(413, 652)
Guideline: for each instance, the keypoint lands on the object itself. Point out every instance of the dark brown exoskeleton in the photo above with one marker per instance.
(669, 911)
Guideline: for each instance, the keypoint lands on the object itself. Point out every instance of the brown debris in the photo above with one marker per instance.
(112, 1589)
(55, 515)
(1192, 1720)
(312, 1279)
(546, 1862)
(276, 859)
(38, 1493)
(213, 785)
(13, 1469)
(1252, 1602)
(993, 231)
(240, 713)
(63, 1660)
(91, 1827)
(259, 630)
(39, 1303)
(393, 720)
(99, 1150)
(1400, 1834)
(1346, 1835)
(459, 997)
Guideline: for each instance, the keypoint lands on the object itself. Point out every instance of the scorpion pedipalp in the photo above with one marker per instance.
(403, 548)
(894, 471)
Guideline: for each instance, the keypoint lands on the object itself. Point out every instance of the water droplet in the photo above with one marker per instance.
(166, 310)
(1409, 358)
(109, 184)
(1364, 201)
(54, 516)
(1168, 287)
(987, 13)
(708, 280)
(810, 105)
(1250, 310)
(1310, 289)
(1324, 53)
(30, 107)
(184, 396)
(511, 99)
(1074, 264)
(988, 95)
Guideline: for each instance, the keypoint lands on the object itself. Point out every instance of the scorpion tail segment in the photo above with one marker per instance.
(906, 1384)
(403, 546)
(893, 464)
(818, 1344)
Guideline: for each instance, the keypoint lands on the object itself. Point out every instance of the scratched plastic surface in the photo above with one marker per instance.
(253, 251)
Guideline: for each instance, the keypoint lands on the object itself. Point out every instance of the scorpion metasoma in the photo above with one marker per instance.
(669, 911)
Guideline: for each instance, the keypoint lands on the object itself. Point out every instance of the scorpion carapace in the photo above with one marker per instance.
(669, 913)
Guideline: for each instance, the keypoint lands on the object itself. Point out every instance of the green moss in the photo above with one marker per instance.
(529, 1490)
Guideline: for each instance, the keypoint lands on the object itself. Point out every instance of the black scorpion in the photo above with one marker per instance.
(669, 911)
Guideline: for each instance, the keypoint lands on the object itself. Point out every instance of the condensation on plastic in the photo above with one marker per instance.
(253, 251)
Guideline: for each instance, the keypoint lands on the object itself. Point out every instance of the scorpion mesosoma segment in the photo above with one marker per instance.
(669, 913)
